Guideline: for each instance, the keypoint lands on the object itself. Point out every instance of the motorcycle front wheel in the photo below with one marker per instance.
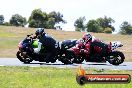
(26, 59)
(116, 58)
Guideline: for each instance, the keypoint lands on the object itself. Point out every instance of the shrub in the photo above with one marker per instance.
(108, 30)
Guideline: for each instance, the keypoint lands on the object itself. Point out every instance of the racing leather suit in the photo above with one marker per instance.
(96, 50)
(49, 44)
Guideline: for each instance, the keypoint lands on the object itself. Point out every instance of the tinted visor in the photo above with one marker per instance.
(37, 33)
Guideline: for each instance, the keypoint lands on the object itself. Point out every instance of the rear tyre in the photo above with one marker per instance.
(50, 58)
(67, 57)
(116, 58)
(53, 60)
(26, 59)
(78, 60)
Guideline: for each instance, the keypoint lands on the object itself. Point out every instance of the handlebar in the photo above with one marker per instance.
(30, 37)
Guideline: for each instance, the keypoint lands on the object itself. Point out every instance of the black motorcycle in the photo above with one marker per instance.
(26, 54)
(64, 54)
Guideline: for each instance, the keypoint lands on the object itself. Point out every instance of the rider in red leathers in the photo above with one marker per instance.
(94, 47)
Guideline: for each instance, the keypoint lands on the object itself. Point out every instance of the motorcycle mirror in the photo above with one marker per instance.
(28, 35)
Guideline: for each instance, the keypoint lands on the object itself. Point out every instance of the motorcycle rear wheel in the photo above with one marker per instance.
(26, 59)
(53, 60)
(67, 57)
(116, 58)
(78, 60)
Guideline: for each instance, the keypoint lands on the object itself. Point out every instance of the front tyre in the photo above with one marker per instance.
(116, 58)
(23, 57)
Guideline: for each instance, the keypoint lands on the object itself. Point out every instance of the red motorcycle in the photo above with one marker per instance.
(82, 52)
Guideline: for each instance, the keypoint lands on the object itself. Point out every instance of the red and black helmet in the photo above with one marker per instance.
(87, 37)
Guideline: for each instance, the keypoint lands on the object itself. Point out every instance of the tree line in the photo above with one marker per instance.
(101, 25)
(38, 19)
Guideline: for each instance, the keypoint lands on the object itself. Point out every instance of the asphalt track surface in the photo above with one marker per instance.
(58, 64)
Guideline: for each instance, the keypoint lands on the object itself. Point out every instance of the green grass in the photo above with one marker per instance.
(45, 77)
(11, 36)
